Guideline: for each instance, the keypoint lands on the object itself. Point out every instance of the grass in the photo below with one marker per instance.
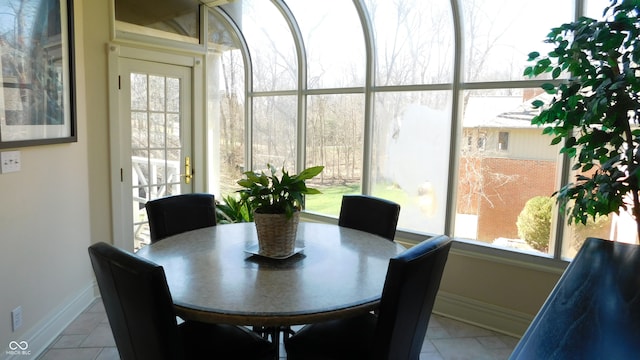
(328, 203)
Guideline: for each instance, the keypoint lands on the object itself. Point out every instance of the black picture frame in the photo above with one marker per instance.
(37, 69)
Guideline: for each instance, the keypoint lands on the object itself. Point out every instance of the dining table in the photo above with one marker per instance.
(217, 274)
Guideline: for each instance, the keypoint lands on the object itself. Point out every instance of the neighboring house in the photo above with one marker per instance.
(506, 162)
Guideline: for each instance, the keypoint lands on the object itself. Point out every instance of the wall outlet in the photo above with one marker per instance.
(10, 161)
(16, 318)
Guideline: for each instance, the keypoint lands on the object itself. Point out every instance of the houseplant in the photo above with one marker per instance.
(275, 203)
(230, 210)
(595, 113)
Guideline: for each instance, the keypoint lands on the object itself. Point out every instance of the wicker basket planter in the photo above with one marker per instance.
(276, 234)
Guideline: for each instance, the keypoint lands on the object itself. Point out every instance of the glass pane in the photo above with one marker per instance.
(173, 94)
(499, 35)
(274, 132)
(139, 130)
(620, 227)
(410, 156)
(496, 184)
(140, 171)
(333, 40)
(335, 135)
(156, 93)
(173, 189)
(138, 91)
(595, 8)
(157, 130)
(226, 108)
(173, 168)
(173, 130)
(407, 51)
(270, 45)
(157, 171)
(174, 17)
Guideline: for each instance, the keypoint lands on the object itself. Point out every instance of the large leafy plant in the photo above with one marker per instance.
(270, 194)
(595, 112)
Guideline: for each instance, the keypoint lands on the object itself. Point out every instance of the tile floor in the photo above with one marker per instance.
(89, 337)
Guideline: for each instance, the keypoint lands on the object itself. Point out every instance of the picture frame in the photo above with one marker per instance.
(37, 71)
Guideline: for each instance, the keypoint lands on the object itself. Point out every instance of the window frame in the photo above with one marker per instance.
(458, 143)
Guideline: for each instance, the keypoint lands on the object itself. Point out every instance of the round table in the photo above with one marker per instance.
(214, 278)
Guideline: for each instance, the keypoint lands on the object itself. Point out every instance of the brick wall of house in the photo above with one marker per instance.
(507, 184)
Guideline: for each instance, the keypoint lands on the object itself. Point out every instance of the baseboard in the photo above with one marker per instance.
(485, 315)
(36, 340)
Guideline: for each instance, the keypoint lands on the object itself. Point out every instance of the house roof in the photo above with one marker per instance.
(500, 112)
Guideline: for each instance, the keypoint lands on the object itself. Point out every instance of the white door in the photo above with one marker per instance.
(155, 123)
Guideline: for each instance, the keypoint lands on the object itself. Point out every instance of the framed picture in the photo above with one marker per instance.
(37, 97)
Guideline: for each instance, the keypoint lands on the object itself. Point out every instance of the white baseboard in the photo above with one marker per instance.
(485, 315)
(39, 337)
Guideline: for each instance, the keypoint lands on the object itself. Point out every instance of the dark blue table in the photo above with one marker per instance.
(594, 310)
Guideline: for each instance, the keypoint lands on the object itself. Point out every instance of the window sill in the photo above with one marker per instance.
(471, 249)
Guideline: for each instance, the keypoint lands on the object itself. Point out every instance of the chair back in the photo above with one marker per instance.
(138, 304)
(180, 213)
(410, 289)
(371, 214)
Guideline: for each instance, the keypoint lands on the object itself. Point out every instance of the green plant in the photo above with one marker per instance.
(596, 111)
(270, 194)
(232, 211)
(534, 222)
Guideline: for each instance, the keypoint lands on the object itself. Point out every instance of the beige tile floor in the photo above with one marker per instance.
(89, 337)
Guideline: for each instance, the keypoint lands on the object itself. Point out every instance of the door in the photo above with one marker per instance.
(155, 126)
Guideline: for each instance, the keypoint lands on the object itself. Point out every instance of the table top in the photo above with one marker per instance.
(212, 278)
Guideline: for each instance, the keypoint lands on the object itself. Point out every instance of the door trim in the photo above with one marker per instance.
(122, 234)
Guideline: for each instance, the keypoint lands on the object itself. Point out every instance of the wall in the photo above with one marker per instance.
(55, 207)
(497, 293)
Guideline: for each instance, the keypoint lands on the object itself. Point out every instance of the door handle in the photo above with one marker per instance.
(187, 170)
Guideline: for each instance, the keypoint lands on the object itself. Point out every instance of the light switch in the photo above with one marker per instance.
(10, 161)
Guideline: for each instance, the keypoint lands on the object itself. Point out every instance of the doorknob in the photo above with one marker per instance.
(187, 170)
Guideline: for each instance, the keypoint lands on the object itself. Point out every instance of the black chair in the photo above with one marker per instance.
(371, 214)
(399, 329)
(180, 213)
(139, 307)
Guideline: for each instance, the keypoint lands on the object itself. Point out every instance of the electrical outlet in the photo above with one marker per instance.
(10, 161)
(16, 318)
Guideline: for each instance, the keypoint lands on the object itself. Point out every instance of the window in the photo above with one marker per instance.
(503, 141)
(372, 90)
(482, 142)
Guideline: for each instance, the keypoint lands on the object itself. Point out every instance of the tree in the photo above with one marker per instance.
(595, 113)
(534, 222)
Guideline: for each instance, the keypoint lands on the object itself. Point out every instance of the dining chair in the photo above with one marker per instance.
(399, 328)
(371, 214)
(180, 213)
(140, 311)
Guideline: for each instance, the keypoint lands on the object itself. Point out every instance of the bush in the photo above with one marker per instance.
(534, 222)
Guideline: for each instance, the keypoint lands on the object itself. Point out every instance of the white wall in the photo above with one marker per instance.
(53, 209)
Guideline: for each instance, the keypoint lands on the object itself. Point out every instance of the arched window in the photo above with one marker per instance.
(420, 102)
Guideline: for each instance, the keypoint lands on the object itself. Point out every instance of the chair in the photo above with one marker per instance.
(399, 329)
(139, 307)
(367, 213)
(180, 213)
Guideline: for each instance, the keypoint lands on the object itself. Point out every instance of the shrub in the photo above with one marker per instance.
(534, 222)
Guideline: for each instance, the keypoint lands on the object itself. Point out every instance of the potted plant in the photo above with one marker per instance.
(276, 203)
(595, 113)
(230, 210)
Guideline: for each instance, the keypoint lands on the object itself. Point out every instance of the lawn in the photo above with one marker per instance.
(328, 203)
